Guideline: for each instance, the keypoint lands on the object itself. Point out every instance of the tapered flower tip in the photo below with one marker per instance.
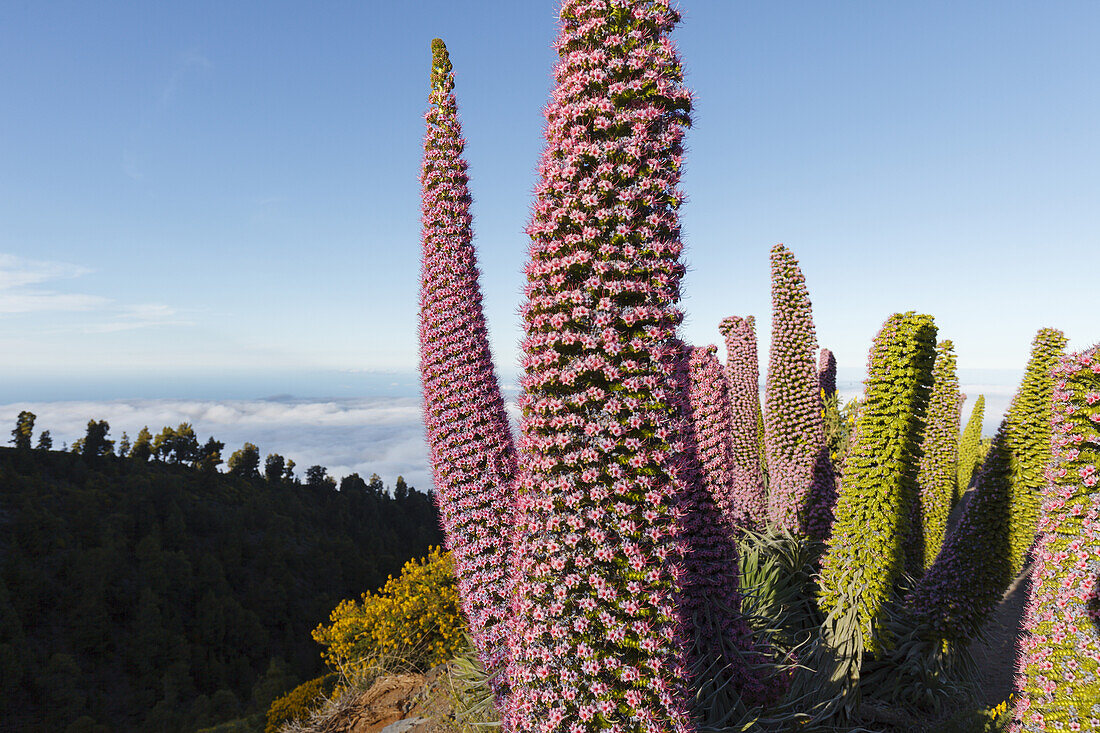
(728, 324)
(946, 345)
(441, 65)
(782, 257)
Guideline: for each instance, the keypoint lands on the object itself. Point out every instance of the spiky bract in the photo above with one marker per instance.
(597, 641)
(743, 382)
(1027, 423)
(969, 443)
(873, 509)
(1058, 684)
(471, 450)
(801, 489)
(937, 470)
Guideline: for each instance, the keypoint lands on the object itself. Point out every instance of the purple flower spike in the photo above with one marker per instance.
(472, 455)
(1028, 438)
(710, 416)
(826, 373)
(801, 483)
(710, 597)
(743, 381)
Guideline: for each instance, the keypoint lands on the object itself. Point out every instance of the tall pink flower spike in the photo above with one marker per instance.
(472, 454)
(597, 639)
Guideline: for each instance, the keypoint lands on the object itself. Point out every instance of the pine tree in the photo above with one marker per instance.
(24, 430)
(210, 455)
(274, 466)
(143, 446)
(472, 455)
(95, 442)
(245, 462)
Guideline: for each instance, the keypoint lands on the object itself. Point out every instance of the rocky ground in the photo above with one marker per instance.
(398, 703)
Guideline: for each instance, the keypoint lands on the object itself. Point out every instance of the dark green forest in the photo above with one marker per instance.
(152, 592)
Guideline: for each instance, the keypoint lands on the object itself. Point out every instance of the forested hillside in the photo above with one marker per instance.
(150, 595)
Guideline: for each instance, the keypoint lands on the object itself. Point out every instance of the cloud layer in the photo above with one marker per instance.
(365, 436)
(383, 435)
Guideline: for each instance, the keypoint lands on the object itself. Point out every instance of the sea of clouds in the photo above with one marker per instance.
(364, 435)
(383, 435)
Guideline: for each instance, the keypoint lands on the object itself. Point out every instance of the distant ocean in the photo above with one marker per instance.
(349, 422)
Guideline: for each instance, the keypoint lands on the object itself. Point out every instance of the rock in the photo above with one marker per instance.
(408, 725)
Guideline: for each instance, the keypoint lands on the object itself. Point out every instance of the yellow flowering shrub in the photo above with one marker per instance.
(413, 622)
(299, 702)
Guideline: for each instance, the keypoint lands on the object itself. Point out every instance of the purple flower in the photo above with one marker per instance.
(977, 561)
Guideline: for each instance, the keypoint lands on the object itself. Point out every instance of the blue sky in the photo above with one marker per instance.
(229, 191)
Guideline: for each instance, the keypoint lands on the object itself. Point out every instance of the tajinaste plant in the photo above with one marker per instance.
(710, 601)
(801, 487)
(936, 472)
(826, 373)
(1058, 680)
(708, 396)
(743, 382)
(1028, 440)
(879, 487)
(978, 561)
(969, 444)
(833, 423)
(597, 638)
(471, 450)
